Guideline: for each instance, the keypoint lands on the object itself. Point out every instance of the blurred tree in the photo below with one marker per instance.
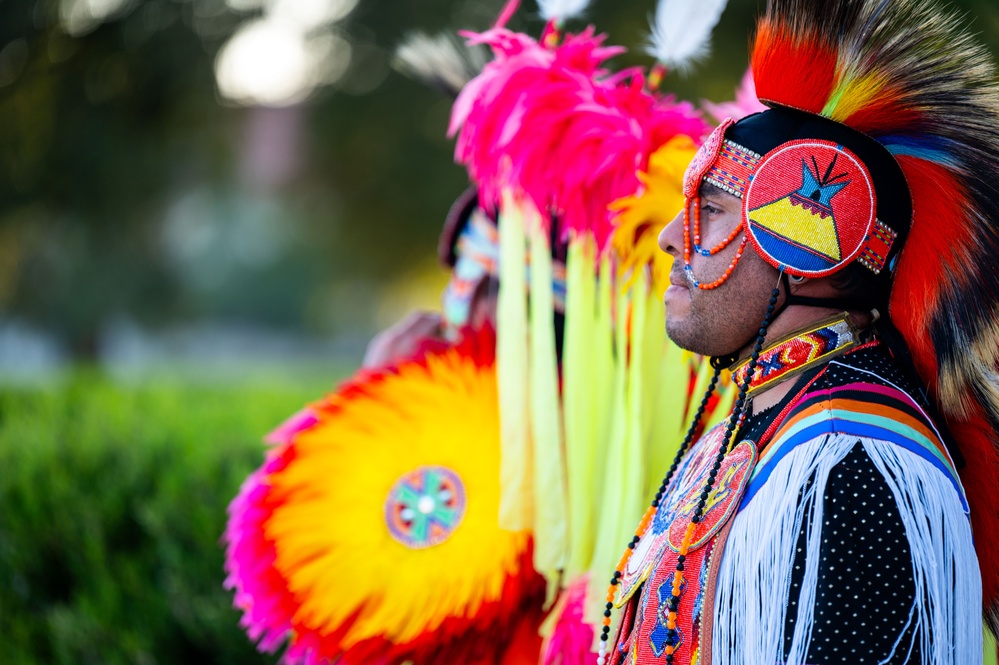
(96, 129)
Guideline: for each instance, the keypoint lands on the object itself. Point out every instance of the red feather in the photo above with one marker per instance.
(923, 272)
(979, 479)
(791, 70)
(888, 110)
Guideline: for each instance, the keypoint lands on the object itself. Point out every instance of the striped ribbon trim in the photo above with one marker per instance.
(862, 409)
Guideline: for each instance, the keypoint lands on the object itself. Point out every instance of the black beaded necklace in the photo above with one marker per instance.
(734, 422)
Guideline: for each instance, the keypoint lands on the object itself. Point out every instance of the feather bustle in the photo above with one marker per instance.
(287, 561)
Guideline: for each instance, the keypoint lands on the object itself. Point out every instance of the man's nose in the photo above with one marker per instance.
(671, 237)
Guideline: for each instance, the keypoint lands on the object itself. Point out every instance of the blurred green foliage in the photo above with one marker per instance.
(113, 502)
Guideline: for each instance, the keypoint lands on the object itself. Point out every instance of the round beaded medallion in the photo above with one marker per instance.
(425, 507)
(809, 207)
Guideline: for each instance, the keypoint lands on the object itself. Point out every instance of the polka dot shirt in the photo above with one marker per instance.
(865, 586)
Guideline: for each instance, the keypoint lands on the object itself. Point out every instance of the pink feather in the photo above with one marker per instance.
(261, 593)
(745, 102)
(571, 641)
(555, 126)
(287, 430)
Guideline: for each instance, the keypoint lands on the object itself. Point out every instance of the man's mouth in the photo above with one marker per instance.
(681, 279)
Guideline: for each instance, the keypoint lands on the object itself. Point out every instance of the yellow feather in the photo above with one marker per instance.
(331, 498)
(854, 93)
(637, 414)
(990, 647)
(641, 217)
(669, 394)
(550, 514)
(582, 400)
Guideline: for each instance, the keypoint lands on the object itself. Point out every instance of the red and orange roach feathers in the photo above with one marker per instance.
(911, 76)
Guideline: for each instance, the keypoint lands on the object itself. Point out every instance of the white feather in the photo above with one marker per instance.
(441, 60)
(681, 31)
(561, 10)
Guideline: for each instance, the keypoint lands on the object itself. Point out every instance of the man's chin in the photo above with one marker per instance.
(680, 333)
(690, 336)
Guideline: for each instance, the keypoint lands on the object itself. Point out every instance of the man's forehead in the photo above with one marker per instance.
(707, 190)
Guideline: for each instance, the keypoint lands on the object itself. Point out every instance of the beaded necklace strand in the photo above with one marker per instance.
(734, 422)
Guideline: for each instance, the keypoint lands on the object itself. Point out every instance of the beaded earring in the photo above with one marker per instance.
(734, 422)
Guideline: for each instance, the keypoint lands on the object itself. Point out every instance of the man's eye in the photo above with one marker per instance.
(710, 209)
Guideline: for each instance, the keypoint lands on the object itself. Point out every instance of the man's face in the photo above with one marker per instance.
(723, 320)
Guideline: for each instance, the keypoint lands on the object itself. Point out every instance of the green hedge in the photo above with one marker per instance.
(112, 502)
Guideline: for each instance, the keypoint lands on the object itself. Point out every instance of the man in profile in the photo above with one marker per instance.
(836, 253)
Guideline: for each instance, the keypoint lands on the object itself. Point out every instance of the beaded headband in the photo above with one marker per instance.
(475, 257)
(808, 206)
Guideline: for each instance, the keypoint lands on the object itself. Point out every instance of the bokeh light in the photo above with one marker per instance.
(281, 58)
(81, 16)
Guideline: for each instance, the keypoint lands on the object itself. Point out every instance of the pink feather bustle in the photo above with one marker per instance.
(553, 125)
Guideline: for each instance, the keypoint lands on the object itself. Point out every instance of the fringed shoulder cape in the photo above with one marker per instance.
(838, 533)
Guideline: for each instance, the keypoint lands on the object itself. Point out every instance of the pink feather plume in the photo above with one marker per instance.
(571, 641)
(745, 102)
(555, 126)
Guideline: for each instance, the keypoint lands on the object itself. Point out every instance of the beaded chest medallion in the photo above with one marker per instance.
(650, 573)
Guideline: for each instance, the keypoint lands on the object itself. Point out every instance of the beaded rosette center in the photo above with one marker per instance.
(425, 507)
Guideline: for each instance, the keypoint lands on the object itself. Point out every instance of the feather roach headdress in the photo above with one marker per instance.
(886, 112)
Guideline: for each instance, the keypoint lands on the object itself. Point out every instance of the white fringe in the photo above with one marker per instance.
(755, 575)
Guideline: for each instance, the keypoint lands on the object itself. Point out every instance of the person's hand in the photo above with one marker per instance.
(402, 339)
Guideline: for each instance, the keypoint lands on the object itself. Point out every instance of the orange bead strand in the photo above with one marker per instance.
(687, 242)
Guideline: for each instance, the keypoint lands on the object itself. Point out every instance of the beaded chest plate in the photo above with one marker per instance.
(651, 570)
(670, 521)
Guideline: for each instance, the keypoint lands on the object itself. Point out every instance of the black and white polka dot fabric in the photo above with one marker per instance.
(865, 592)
